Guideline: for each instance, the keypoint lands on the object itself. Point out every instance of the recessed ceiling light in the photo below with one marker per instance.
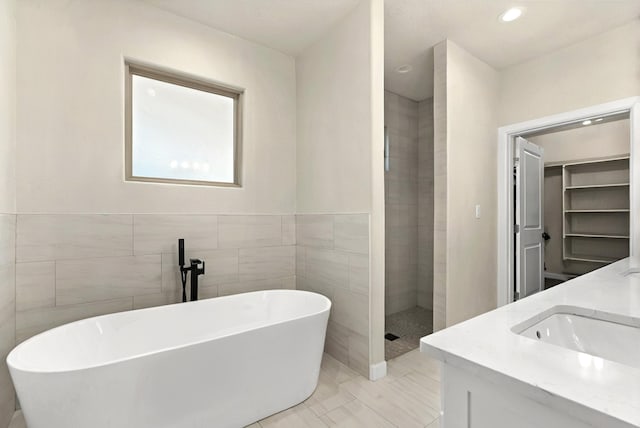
(511, 14)
(587, 122)
(599, 119)
(404, 69)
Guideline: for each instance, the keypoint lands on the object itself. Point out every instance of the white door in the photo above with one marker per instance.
(529, 172)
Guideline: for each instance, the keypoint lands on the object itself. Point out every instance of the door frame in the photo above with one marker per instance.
(506, 136)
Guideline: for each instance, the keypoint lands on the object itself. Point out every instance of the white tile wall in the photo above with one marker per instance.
(351, 233)
(157, 299)
(267, 262)
(7, 311)
(43, 237)
(156, 234)
(257, 285)
(288, 230)
(329, 267)
(359, 273)
(35, 285)
(440, 187)
(244, 231)
(332, 258)
(314, 231)
(409, 204)
(401, 204)
(93, 280)
(425, 204)
(76, 266)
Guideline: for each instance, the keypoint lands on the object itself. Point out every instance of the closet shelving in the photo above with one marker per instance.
(595, 210)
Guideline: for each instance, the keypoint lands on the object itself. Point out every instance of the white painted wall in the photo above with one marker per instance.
(334, 119)
(597, 70)
(471, 90)
(7, 202)
(340, 116)
(478, 100)
(71, 120)
(7, 106)
(586, 142)
(377, 239)
(440, 186)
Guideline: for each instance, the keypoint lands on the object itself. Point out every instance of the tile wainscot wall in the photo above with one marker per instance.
(74, 266)
(71, 267)
(7, 312)
(332, 258)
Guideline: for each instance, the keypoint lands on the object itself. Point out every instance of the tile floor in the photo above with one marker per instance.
(408, 397)
(410, 325)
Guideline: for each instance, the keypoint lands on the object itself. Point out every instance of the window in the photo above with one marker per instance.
(180, 129)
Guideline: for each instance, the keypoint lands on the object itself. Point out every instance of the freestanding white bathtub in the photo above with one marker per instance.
(223, 362)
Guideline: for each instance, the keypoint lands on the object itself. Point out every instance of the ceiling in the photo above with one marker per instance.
(289, 26)
(413, 27)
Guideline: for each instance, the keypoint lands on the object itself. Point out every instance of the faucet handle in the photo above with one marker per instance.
(194, 266)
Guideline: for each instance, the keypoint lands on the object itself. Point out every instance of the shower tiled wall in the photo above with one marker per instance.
(440, 187)
(332, 258)
(7, 312)
(425, 204)
(76, 266)
(401, 202)
(409, 204)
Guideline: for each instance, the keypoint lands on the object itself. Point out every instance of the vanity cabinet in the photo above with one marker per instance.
(471, 401)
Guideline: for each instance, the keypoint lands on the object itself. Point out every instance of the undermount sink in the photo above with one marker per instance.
(601, 335)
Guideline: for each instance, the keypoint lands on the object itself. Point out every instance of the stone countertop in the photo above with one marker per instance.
(604, 394)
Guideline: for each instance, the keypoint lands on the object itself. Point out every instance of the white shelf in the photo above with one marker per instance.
(592, 235)
(622, 210)
(589, 189)
(591, 259)
(596, 186)
(592, 161)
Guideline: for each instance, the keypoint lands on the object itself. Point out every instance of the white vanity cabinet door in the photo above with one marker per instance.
(469, 401)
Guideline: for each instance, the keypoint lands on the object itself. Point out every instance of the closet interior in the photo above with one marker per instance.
(586, 196)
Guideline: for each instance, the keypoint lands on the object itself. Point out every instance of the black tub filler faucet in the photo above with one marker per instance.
(194, 268)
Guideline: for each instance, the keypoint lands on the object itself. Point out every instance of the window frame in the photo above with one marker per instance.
(131, 69)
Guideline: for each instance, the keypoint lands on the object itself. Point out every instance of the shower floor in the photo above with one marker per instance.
(409, 325)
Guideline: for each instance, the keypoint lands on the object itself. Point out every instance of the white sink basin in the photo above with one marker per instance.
(603, 335)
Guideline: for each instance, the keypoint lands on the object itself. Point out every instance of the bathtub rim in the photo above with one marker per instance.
(12, 366)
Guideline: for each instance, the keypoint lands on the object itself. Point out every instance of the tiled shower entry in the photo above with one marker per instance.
(407, 327)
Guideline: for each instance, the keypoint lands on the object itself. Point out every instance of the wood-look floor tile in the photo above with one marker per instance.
(296, 417)
(327, 396)
(355, 415)
(18, 420)
(335, 370)
(413, 361)
(434, 424)
(424, 388)
(401, 407)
